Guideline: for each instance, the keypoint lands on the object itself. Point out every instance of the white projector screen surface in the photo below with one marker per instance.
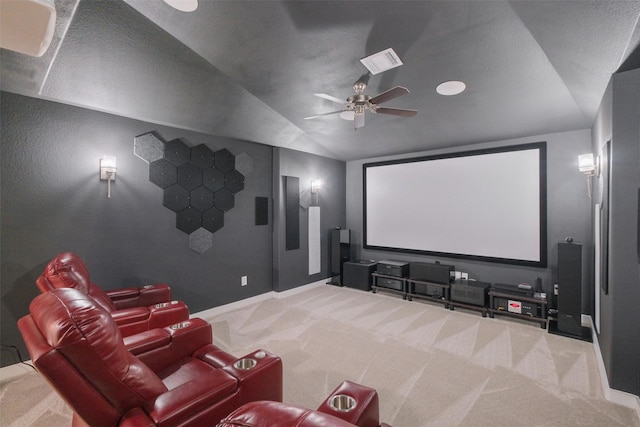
(483, 204)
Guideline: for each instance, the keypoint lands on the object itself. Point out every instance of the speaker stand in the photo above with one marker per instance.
(585, 335)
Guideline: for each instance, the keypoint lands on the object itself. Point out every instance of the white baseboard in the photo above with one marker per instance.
(616, 396)
(258, 298)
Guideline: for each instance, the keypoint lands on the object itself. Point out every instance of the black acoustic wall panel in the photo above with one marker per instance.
(199, 184)
(292, 212)
(262, 211)
(570, 288)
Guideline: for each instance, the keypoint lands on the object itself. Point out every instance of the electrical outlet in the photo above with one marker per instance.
(457, 275)
(555, 289)
(243, 281)
(464, 276)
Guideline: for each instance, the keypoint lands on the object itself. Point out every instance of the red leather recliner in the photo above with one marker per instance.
(134, 309)
(75, 344)
(349, 405)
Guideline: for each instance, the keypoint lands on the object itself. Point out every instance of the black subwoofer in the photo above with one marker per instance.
(357, 274)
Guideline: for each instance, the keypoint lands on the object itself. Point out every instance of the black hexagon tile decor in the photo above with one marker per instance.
(162, 173)
(198, 184)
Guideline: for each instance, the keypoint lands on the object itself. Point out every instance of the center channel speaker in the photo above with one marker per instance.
(431, 272)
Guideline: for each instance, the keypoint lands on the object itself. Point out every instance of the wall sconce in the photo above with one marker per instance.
(108, 171)
(315, 186)
(589, 166)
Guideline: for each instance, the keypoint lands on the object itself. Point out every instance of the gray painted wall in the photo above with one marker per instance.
(618, 337)
(290, 267)
(568, 214)
(53, 201)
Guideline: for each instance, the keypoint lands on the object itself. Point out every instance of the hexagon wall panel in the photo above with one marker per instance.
(148, 147)
(200, 240)
(177, 152)
(202, 156)
(213, 220)
(224, 160)
(244, 164)
(189, 176)
(162, 173)
(199, 184)
(188, 220)
(176, 198)
(223, 200)
(213, 179)
(234, 181)
(201, 199)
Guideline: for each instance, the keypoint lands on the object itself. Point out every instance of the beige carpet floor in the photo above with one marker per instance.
(431, 366)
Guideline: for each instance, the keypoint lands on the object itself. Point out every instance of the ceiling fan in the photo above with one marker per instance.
(356, 105)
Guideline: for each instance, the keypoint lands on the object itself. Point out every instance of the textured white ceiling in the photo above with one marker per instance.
(248, 69)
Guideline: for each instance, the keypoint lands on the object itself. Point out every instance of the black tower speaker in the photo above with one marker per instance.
(340, 252)
(569, 320)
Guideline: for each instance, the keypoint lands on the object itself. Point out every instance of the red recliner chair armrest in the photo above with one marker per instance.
(177, 405)
(366, 412)
(140, 297)
(167, 313)
(159, 348)
(135, 320)
(262, 381)
(123, 297)
(155, 293)
(130, 315)
(146, 341)
(136, 418)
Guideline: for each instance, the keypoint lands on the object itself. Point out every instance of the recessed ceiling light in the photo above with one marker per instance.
(451, 87)
(183, 5)
(381, 61)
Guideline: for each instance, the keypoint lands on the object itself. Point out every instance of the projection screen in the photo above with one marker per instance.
(487, 205)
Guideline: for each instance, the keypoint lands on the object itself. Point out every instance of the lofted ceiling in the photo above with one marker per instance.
(249, 69)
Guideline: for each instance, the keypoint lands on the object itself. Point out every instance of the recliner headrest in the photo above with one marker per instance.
(66, 270)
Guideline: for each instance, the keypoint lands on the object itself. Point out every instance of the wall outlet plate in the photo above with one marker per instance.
(243, 281)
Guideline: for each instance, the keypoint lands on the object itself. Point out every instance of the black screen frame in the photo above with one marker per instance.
(542, 165)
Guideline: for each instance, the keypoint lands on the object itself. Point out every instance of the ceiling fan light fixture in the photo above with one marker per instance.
(381, 61)
(183, 5)
(451, 87)
(347, 115)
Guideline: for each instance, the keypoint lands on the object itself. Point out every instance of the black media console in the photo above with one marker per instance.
(435, 282)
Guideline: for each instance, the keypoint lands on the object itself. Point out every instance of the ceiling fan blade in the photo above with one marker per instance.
(331, 98)
(394, 92)
(396, 111)
(324, 114)
(358, 120)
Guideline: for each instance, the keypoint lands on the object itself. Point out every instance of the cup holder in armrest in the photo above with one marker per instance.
(180, 325)
(342, 403)
(245, 364)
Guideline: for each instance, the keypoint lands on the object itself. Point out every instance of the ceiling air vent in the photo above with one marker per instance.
(381, 61)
